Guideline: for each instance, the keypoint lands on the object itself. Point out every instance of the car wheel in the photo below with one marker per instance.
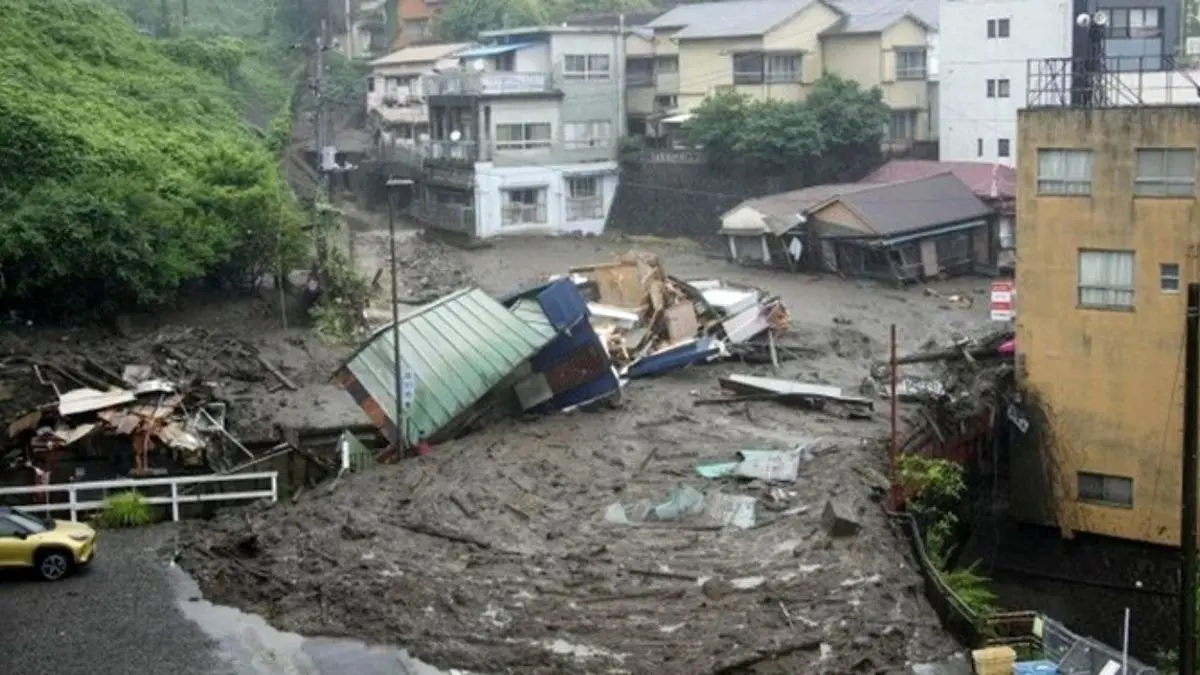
(53, 564)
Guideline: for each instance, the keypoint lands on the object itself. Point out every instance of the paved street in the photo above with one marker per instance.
(132, 612)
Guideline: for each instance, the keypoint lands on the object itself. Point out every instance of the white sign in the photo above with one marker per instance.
(408, 387)
(1002, 300)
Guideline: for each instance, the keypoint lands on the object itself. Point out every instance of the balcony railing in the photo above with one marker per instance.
(585, 208)
(523, 214)
(416, 152)
(1110, 81)
(488, 83)
(639, 79)
(452, 217)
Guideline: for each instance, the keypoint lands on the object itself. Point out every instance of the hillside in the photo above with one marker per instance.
(124, 175)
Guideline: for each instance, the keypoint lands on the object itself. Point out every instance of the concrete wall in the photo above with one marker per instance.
(1104, 386)
(491, 180)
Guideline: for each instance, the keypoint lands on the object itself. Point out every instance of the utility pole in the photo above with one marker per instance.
(1187, 525)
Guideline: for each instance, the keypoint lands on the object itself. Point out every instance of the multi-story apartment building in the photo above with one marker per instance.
(986, 45)
(1108, 225)
(396, 105)
(523, 134)
(776, 49)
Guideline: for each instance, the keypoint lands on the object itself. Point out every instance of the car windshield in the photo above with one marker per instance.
(29, 521)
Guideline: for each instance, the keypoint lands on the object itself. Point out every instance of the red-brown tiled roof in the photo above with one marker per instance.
(986, 180)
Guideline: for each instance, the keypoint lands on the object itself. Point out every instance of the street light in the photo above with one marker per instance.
(396, 186)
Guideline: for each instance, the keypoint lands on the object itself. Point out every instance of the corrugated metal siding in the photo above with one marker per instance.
(457, 348)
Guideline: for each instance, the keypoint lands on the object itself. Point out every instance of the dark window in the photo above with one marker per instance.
(991, 89)
(1104, 489)
(979, 147)
(1002, 28)
(1002, 88)
(9, 528)
(991, 28)
(1002, 147)
(748, 68)
(1168, 277)
(1133, 22)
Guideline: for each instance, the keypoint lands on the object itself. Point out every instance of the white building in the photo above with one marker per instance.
(395, 90)
(523, 134)
(985, 47)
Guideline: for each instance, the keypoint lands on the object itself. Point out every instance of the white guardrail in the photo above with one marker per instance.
(74, 505)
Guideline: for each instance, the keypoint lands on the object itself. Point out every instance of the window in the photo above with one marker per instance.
(1106, 279)
(1064, 172)
(998, 88)
(524, 206)
(910, 63)
(666, 102)
(1108, 490)
(997, 28)
(979, 147)
(586, 66)
(370, 84)
(579, 135)
(666, 64)
(584, 200)
(1168, 277)
(748, 68)
(522, 136)
(639, 72)
(1165, 173)
(1129, 23)
(783, 68)
(903, 126)
(9, 528)
(1003, 147)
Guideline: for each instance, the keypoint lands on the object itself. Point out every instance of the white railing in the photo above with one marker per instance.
(74, 505)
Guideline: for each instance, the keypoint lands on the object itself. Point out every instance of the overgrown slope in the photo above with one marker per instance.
(124, 176)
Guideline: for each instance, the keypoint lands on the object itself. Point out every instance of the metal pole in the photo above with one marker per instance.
(894, 492)
(1187, 525)
(398, 439)
(1125, 645)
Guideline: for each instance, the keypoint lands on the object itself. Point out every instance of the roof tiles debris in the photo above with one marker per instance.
(986, 180)
(738, 18)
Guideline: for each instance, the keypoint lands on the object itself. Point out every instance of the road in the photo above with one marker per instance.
(134, 612)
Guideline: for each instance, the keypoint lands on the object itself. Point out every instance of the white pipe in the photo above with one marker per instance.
(1125, 645)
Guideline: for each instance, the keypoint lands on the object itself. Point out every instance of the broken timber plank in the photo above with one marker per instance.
(283, 379)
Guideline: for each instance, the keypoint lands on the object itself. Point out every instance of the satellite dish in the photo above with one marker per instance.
(1100, 18)
(456, 135)
(478, 65)
(1083, 20)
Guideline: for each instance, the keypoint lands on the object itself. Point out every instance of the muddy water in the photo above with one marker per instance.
(252, 647)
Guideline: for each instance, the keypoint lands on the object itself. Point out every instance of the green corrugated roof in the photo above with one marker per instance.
(458, 348)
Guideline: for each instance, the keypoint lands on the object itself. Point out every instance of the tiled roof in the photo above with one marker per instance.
(739, 18)
(986, 180)
(781, 209)
(873, 16)
(897, 208)
(420, 54)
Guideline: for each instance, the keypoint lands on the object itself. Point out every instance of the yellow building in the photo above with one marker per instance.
(1107, 234)
(776, 49)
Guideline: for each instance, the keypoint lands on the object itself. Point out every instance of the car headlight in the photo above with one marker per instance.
(79, 536)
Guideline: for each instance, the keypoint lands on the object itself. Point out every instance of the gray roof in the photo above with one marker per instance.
(874, 16)
(781, 209)
(901, 208)
(738, 18)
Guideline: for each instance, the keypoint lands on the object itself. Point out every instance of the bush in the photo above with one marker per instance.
(125, 509)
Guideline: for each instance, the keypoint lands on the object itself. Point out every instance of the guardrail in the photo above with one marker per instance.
(74, 505)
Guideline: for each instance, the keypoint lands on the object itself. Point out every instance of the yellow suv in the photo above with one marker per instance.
(52, 548)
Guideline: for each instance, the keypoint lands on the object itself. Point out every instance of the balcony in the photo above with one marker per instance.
(585, 208)
(639, 78)
(493, 83)
(450, 217)
(417, 152)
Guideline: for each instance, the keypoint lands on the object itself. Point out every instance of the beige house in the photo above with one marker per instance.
(776, 49)
(395, 99)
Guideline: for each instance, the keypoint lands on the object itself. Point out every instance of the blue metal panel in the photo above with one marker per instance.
(563, 304)
(492, 50)
(673, 358)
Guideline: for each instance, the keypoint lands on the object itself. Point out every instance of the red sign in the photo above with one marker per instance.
(1002, 302)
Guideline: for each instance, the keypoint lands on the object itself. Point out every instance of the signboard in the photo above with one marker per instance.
(408, 388)
(1002, 300)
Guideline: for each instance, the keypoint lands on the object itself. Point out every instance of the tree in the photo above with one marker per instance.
(463, 20)
(839, 125)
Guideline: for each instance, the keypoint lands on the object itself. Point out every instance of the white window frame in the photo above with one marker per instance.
(1003, 147)
(1163, 179)
(590, 134)
(517, 212)
(749, 67)
(587, 67)
(1169, 279)
(585, 197)
(528, 139)
(1105, 489)
(911, 118)
(1003, 88)
(912, 71)
(1106, 279)
(1064, 172)
(782, 68)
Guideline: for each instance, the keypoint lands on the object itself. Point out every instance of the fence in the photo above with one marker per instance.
(174, 497)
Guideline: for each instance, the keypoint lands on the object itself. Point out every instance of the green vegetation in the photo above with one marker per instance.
(464, 19)
(125, 509)
(126, 173)
(838, 127)
(934, 489)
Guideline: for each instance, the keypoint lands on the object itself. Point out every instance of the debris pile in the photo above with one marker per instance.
(147, 418)
(651, 322)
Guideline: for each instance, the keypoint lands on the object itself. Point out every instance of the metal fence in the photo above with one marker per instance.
(1078, 655)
